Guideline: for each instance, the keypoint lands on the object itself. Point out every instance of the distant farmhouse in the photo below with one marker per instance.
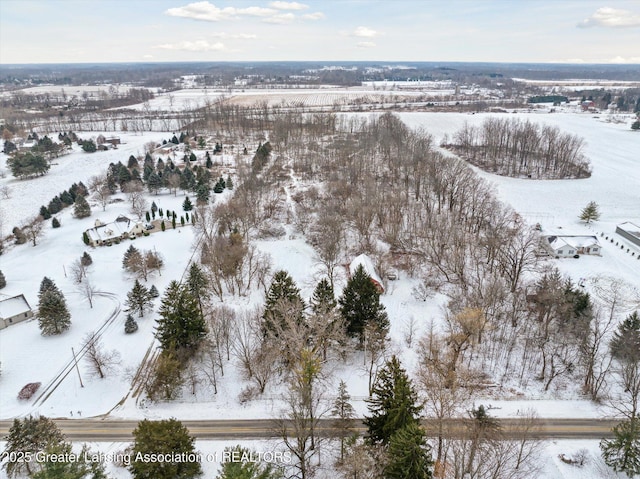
(629, 231)
(109, 233)
(564, 246)
(14, 310)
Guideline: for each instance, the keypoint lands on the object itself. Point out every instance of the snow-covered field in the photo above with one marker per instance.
(28, 357)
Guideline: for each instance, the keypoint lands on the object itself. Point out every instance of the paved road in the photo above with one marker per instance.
(114, 430)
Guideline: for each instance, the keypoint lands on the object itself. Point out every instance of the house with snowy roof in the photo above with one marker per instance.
(630, 232)
(564, 246)
(366, 263)
(109, 233)
(14, 310)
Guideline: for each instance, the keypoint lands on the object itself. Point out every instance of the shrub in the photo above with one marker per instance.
(28, 391)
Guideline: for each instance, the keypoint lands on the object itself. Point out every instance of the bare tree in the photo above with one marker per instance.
(88, 290)
(33, 229)
(99, 187)
(100, 362)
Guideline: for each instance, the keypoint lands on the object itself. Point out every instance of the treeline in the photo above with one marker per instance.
(522, 149)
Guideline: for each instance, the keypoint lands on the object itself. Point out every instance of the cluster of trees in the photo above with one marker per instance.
(517, 148)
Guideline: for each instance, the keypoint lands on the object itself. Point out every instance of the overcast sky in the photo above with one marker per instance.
(72, 31)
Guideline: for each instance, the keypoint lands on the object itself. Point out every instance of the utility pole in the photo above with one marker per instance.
(75, 360)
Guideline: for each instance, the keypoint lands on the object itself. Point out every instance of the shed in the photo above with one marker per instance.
(366, 263)
(630, 232)
(14, 310)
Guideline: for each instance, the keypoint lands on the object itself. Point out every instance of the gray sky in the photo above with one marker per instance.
(71, 31)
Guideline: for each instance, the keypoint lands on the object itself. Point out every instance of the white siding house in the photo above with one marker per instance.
(567, 246)
(14, 310)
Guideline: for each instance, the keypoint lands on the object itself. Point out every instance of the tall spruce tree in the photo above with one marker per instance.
(360, 304)
(81, 209)
(53, 314)
(197, 283)
(139, 299)
(29, 435)
(3, 280)
(130, 325)
(393, 404)
(625, 343)
(323, 300)
(181, 326)
(590, 213)
(409, 454)
(283, 296)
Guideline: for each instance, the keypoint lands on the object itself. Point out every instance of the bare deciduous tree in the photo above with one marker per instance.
(100, 362)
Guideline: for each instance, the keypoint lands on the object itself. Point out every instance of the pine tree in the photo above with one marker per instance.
(85, 238)
(229, 183)
(323, 300)
(283, 295)
(3, 281)
(83, 465)
(186, 204)
(625, 344)
(187, 180)
(139, 299)
(409, 454)
(53, 314)
(55, 223)
(66, 198)
(360, 304)
(44, 212)
(180, 326)
(132, 254)
(81, 208)
(622, 452)
(197, 284)
(218, 188)
(202, 194)
(167, 437)
(55, 205)
(344, 412)
(29, 435)
(590, 212)
(86, 259)
(130, 325)
(153, 291)
(393, 404)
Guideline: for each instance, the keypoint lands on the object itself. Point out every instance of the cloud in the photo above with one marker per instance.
(620, 59)
(365, 45)
(313, 16)
(280, 18)
(364, 32)
(611, 17)
(288, 6)
(241, 36)
(208, 12)
(197, 46)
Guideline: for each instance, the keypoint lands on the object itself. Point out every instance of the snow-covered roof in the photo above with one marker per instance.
(630, 228)
(14, 306)
(122, 225)
(575, 242)
(367, 264)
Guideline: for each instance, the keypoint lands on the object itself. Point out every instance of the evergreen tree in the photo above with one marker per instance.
(55, 223)
(154, 207)
(283, 296)
(29, 436)
(202, 194)
(130, 325)
(132, 254)
(187, 180)
(132, 162)
(625, 344)
(53, 314)
(153, 291)
(181, 326)
(154, 183)
(622, 452)
(139, 299)
(409, 454)
(590, 212)
(208, 162)
(323, 300)
(165, 437)
(81, 208)
(218, 188)
(55, 205)
(85, 465)
(246, 468)
(229, 183)
(162, 226)
(66, 198)
(635, 125)
(344, 412)
(86, 259)
(44, 212)
(393, 404)
(360, 304)
(3, 281)
(197, 284)
(186, 204)
(85, 238)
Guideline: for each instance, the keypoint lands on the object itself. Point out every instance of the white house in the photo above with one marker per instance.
(14, 310)
(564, 246)
(629, 231)
(122, 228)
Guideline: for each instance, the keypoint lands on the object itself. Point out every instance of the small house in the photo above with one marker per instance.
(14, 310)
(565, 246)
(108, 233)
(366, 263)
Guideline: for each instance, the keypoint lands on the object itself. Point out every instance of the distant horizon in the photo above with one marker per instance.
(580, 32)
